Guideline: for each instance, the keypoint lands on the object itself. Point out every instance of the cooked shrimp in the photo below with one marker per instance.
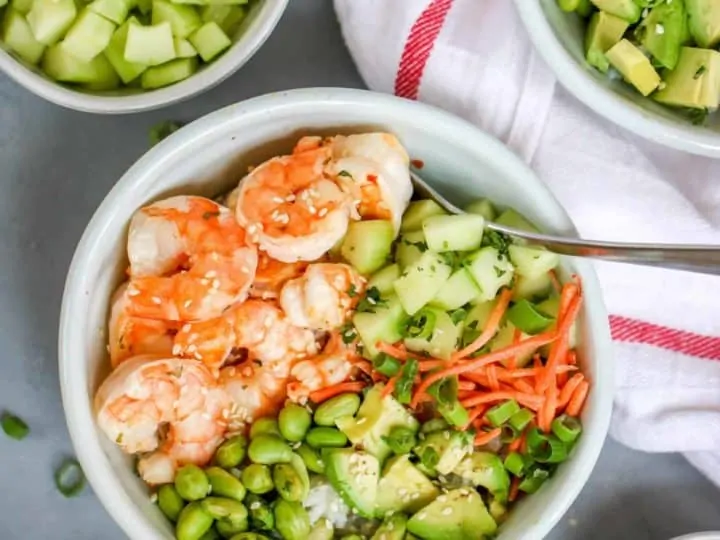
(148, 394)
(255, 325)
(292, 208)
(131, 336)
(189, 260)
(324, 297)
(271, 275)
(333, 366)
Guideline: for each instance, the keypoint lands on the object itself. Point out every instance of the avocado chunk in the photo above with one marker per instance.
(460, 514)
(704, 21)
(634, 66)
(354, 475)
(695, 82)
(442, 451)
(604, 31)
(486, 470)
(625, 9)
(403, 488)
(663, 32)
(393, 528)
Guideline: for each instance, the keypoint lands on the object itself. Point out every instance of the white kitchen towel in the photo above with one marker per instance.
(473, 58)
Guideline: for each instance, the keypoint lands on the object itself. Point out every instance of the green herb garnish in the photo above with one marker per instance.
(163, 130)
(14, 427)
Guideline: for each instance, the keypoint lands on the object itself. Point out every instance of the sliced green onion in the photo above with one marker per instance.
(454, 413)
(160, 131)
(527, 318)
(555, 451)
(430, 458)
(69, 478)
(566, 428)
(536, 439)
(515, 463)
(502, 412)
(533, 480)
(387, 365)
(401, 440)
(508, 434)
(521, 419)
(445, 392)
(14, 427)
(404, 384)
(421, 325)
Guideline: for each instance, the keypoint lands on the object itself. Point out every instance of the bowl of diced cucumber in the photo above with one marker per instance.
(650, 66)
(122, 56)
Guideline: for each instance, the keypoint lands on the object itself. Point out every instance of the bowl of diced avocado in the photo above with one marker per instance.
(122, 56)
(651, 66)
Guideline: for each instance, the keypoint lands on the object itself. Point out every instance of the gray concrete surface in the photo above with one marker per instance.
(56, 166)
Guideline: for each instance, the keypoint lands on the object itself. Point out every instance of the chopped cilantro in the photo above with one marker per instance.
(459, 315)
(348, 333)
(344, 173)
(702, 69)
(497, 240)
(208, 215)
(352, 291)
(370, 301)
(499, 272)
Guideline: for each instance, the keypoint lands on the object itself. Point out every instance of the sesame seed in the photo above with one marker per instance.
(192, 348)
(210, 274)
(402, 491)
(290, 198)
(312, 210)
(216, 284)
(133, 292)
(198, 356)
(421, 515)
(187, 303)
(659, 29)
(176, 349)
(186, 328)
(278, 200)
(447, 511)
(323, 212)
(204, 282)
(156, 300)
(153, 498)
(245, 270)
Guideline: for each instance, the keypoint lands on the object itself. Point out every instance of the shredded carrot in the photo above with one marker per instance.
(528, 400)
(554, 280)
(547, 413)
(396, 351)
(569, 389)
(514, 489)
(492, 377)
(466, 385)
(389, 387)
(578, 399)
(558, 349)
(473, 415)
(514, 445)
(491, 327)
(517, 336)
(430, 364)
(523, 386)
(486, 437)
(318, 396)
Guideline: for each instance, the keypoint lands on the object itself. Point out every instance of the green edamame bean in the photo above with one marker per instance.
(342, 405)
(231, 453)
(311, 458)
(322, 530)
(294, 421)
(265, 425)
(211, 534)
(291, 520)
(261, 515)
(170, 501)
(192, 483)
(225, 484)
(193, 522)
(228, 529)
(257, 478)
(287, 482)
(249, 536)
(269, 449)
(326, 437)
(222, 508)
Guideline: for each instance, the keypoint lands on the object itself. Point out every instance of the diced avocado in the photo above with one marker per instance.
(512, 218)
(444, 337)
(403, 488)
(393, 528)
(384, 278)
(16, 34)
(168, 73)
(532, 288)
(419, 211)
(634, 66)
(183, 48)
(482, 207)
(354, 475)
(457, 291)
(150, 45)
(704, 21)
(226, 16)
(532, 261)
(504, 338)
(695, 81)
(662, 32)
(113, 10)
(459, 514)
(64, 67)
(446, 449)
(603, 32)
(21, 6)
(209, 40)
(115, 53)
(420, 282)
(385, 323)
(486, 470)
(88, 36)
(454, 233)
(184, 20)
(490, 271)
(625, 9)
(410, 248)
(367, 244)
(50, 19)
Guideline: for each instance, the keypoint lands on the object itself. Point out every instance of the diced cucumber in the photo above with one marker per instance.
(150, 45)
(115, 53)
(226, 16)
(420, 282)
(532, 288)
(513, 218)
(21, 6)
(144, 6)
(367, 244)
(169, 73)
(532, 262)
(457, 291)
(385, 323)
(490, 271)
(478, 316)
(443, 340)
(482, 207)
(417, 212)
(113, 10)
(383, 279)
(454, 233)
(16, 34)
(504, 338)
(88, 35)
(410, 248)
(50, 19)
(184, 49)
(209, 41)
(64, 67)
(184, 20)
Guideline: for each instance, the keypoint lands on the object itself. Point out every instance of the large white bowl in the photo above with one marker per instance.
(208, 157)
(252, 33)
(558, 37)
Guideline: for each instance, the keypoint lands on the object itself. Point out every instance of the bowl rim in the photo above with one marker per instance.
(204, 79)
(621, 111)
(71, 342)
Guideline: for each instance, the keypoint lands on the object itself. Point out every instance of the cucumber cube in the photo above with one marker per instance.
(184, 49)
(64, 67)
(21, 6)
(50, 19)
(144, 6)
(454, 233)
(209, 41)
(443, 340)
(410, 248)
(383, 280)
(417, 212)
(113, 10)
(504, 338)
(532, 262)
(115, 53)
(88, 36)
(532, 288)
(184, 20)
(482, 207)
(16, 34)
(513, 218)
(172, 72)
(385, 323)
(227, 17)
(420, 282)
(457, 291)
(490, 271)
(151, 45)
(367, 244)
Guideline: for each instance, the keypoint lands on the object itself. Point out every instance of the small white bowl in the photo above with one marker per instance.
(252, 33)
(559, 36)
(208, 157)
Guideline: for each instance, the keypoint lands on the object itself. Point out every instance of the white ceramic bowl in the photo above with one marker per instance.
(252, 33)
(558, 37)
(208, 157)
(709, 535)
